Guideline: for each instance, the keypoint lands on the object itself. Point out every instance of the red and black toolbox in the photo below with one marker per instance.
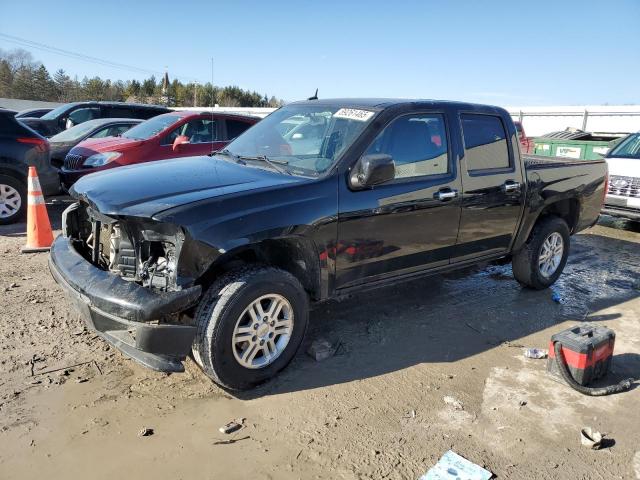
(587, 351)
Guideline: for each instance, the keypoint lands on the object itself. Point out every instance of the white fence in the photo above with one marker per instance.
(592, 118)
(536, 120)
(254, 111)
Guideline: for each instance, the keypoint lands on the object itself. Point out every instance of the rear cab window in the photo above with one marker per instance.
(485, 144)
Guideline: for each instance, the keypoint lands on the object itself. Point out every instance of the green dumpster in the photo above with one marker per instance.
(575, 144)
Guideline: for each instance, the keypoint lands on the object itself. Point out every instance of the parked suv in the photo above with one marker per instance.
(175, 134)
(623, 195)
(20, 148)
(70, 114)
(220, 256)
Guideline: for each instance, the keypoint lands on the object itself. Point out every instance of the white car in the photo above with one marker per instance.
(623, 194)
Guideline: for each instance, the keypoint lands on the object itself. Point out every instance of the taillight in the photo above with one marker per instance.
(606, 186)
(41, 144)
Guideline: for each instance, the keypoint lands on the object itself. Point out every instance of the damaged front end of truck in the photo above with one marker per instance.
(133, 280)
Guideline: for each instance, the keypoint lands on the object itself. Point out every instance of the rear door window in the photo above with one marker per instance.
(82, 115)
(485, 143)
(235, 128)
(144, 113)
(118, 112)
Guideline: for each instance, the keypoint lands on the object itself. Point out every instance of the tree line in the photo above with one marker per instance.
(25, 78)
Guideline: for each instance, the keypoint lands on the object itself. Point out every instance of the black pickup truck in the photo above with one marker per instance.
(221, 256)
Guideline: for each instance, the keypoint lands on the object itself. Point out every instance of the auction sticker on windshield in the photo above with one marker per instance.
(353, 114)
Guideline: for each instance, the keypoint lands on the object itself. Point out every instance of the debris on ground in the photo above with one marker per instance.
(231, 441)
(556, 297)
(536, 353)
(522, 403)
(322, 349)
(590, 438)
(232, 426)
(453, 466)
(145, 432)
(454, 402)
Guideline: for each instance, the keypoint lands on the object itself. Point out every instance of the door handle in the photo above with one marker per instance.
(510, 186)
(444, 195)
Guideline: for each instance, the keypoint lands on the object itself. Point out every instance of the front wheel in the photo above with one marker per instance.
(541, 260)
(13, 199)
(250, 324)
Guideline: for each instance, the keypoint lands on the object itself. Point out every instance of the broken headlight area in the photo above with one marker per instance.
(138, 250)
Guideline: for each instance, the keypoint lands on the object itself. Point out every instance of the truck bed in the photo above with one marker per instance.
(540, 161)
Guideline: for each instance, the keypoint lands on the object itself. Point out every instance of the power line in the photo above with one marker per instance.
(79, 56)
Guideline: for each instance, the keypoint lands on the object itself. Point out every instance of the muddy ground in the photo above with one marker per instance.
(375, 410)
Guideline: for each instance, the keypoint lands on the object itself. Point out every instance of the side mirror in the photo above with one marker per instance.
(180, 140)
(372, 170)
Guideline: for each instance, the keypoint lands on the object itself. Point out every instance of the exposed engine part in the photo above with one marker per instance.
(122, 255)
(158, 270)
(114, 247)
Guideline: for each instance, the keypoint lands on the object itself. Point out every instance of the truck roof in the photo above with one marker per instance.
(381, 103)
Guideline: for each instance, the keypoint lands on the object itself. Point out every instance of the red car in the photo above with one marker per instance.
(171, 135)
(526, 143)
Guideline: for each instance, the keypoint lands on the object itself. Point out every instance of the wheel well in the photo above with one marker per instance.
(290, 254)
(568, 210)
(13, 174)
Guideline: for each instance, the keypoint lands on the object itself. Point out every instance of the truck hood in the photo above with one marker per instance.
(145, 190)
(626, 167)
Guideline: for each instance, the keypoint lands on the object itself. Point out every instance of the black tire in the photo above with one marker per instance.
(21, 188)
(525, 263)
(221, 307)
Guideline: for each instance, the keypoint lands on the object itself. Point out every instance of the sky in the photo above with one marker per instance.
(508, 53)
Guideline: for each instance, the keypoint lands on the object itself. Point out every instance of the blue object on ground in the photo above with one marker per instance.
(556, 297)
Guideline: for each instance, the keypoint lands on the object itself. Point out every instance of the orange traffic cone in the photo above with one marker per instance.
(39, 234)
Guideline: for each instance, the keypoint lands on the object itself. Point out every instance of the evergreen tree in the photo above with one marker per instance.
(23, 84)
(62, 86)
(43, 86)
(6, 79)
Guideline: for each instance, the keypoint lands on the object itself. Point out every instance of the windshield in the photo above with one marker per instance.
(151, 127)
(304, 139)
(56, 112)
(628, 148)
(75, 133)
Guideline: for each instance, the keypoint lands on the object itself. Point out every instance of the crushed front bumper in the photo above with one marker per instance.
(121, 312)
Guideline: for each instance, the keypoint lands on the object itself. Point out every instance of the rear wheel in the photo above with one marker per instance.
(13, 199)
(541, 260)
(250, 323)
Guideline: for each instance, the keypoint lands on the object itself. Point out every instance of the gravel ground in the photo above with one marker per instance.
(424, 367)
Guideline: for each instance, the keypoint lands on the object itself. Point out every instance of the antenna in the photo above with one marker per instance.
(315, 96)
(213, 125)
